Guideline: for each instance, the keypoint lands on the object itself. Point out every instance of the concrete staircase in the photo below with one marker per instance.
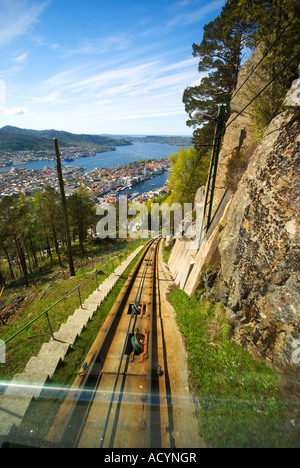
(24, 387)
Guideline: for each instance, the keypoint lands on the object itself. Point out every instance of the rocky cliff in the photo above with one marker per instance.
(239, 141)
(252, 265)
(258, 278)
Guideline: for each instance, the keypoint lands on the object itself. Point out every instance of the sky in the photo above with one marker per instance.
(100, 67)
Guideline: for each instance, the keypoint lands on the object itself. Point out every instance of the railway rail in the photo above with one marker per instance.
(120, 398)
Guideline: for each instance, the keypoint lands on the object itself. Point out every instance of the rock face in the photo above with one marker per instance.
(258, 279)
(239, 134)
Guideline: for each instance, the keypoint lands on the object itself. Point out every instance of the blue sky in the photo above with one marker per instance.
(94, 66)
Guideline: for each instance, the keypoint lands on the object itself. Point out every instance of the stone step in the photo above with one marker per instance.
(28, 385)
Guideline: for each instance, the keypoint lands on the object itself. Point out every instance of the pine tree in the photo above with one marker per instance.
(51, 217)
(81, 213)
(221, 53)
(12, 216)
(278, 37)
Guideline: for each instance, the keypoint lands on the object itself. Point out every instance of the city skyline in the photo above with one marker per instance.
(97, 68)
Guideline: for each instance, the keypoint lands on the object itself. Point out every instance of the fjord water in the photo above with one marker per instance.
(121, 156)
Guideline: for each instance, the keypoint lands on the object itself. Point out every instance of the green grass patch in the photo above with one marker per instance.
(67, 371)
(238, 395)
(28, 343)
(166, 252)
(42, 412)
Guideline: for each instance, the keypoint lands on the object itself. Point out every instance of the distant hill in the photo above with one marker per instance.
(20, 139)
(168, 140)
(17, 142)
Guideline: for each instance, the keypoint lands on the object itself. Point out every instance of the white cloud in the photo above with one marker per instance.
(52, 97)
(102, 45)
(92, 97)
(133, 79)
(15, 111)
(199, 14)
(17, 17)
(193, 16)
(21, 58)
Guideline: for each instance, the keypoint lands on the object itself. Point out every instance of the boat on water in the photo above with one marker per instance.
(6, 164)
(69, 159)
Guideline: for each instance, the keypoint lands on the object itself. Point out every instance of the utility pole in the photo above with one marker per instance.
(220, 121)
(210, 187)
(64, 207)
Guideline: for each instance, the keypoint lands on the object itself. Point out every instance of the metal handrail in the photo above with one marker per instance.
(77, 288)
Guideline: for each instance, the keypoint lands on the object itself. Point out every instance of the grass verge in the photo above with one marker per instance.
(166, 252)
(28, 343)
(42, 412)
(67, 371)
(239, 396)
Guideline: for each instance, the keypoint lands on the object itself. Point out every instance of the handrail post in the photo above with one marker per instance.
(79, 296)
(51, 331)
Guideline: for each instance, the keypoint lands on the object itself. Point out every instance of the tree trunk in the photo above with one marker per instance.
(21, 258)
(56, 244)
(12, 275)
(33, 252)
(2, 281)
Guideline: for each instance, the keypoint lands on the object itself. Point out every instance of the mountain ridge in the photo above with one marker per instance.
(20, 139)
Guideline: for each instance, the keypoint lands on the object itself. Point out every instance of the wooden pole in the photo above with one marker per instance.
(64, 206)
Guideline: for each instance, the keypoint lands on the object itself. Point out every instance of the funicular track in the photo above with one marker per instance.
(120, 397)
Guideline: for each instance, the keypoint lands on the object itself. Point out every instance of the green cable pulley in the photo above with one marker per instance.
(137, 342)
(135, 309)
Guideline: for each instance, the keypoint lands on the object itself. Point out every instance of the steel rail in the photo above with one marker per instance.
(153, 436)
(133, 315)
(85, 395)
(116, 381)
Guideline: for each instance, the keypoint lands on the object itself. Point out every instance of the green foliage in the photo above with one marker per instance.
(49, 289)
(18, 139)
(204, 136)
(244, 25)
(14, 142)
(32, 227)
(166, 252)
(220, 54)
(239, 396)
(82, 214)
(188, 174)
(272, 18)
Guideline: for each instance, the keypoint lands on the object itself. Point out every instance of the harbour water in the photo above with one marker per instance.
(148, 185)
(123, 155)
